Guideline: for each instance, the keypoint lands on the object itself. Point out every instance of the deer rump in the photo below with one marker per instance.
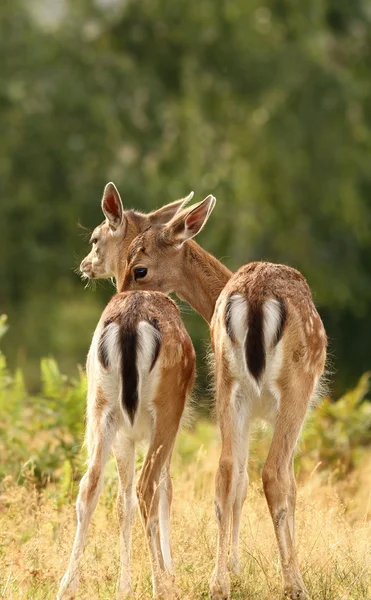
(256, 327)
(128, 353)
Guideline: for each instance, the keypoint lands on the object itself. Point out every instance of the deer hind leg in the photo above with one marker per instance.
(101, 434)
(230, 490)
(241, 440)
(280, 489)
(148, 491)
(124, 451)
(166, 496)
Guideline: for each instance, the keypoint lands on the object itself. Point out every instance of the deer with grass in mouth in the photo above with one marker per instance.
(269, 345)
(140, 371)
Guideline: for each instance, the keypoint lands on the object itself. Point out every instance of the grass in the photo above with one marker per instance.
(333, 532)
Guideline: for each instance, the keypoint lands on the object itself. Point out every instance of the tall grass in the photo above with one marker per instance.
(41, 462)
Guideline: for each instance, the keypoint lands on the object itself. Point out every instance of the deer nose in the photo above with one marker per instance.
(84, 265)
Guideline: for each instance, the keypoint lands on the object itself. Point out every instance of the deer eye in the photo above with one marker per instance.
(139, 273)
(94, 241)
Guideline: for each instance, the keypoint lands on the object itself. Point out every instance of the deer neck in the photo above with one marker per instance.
(203, 278)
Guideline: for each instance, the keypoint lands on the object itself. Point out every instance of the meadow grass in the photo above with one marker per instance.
(333, 531)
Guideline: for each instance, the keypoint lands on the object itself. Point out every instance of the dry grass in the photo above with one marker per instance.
(333, 529)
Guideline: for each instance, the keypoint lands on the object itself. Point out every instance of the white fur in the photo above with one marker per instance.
(148, 337)
(165, 525)
(185, 201)
(111, 332)
(273, 354)
(236, 352)
(271, 393)
(239, 317)
(147, 381)
(261, 400)
(110, 380)
(272, 319)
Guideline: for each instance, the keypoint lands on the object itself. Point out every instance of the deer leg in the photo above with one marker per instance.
(148, 491)
(225, 485)
(241, 437)
(90, 488)
(280, 490)
(124, 451)
(166, 496)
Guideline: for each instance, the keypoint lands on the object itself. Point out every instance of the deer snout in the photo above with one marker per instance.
(86, 267)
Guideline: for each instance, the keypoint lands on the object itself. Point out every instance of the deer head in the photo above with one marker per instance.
(159, 258)
(111, 239)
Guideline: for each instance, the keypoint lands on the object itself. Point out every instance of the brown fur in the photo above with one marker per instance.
(174, 377)
(110, 242)
(174, 264)
(203, 276)
(180, 266)
(108, 255)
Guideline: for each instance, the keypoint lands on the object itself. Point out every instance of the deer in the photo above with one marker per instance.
(269, 347)
(140, 371)
(111, 239)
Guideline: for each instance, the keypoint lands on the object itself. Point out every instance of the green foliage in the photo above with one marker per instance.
(338, 432)
(66, 482)
(3, 325)
(266, 105)
(41, 435)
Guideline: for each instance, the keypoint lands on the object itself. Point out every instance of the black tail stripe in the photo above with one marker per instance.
(254, 343)
(129, 348)
(282, 323)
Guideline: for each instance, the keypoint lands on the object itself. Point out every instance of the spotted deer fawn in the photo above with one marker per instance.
(140, 371)
(270, 348)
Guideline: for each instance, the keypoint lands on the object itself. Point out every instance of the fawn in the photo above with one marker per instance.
(269, 345)
(140, 370)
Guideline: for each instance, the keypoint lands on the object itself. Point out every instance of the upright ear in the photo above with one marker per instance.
(112, 206)
(167, 212)
(189, 222)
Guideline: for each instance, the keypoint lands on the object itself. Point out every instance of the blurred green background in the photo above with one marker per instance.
(266, 105)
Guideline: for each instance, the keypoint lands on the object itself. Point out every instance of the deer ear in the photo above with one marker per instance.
(112, 206)
(189, 222)
(166, 213)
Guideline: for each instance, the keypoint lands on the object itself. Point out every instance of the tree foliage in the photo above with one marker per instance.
(266, 105)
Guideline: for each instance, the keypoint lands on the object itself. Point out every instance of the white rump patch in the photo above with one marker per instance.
(236, 353)
(238, 317)
(148, 337)
(109, 379)
(272, 319)
(112, 348)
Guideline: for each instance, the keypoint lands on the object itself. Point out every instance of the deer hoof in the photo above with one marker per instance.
(295, 593)
(68, 587)
(219, 586)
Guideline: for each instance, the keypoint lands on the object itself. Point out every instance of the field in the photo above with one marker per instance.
(41, 462)
(334, 532)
